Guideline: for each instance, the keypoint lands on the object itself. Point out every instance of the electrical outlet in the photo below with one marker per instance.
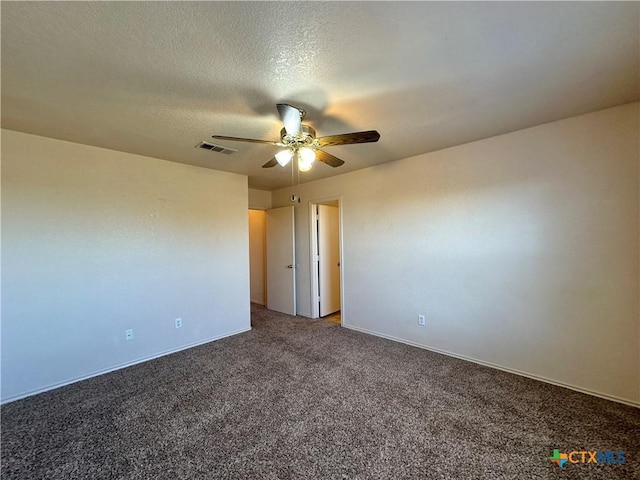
(128, 334)
(178, 323)
(421, 320)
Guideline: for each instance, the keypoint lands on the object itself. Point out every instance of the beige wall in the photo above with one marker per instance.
(95, 242)
(521, 250)
(257, 255)
(259, 199)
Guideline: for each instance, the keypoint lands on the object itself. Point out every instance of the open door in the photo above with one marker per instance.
(328, 259)
(281, 259)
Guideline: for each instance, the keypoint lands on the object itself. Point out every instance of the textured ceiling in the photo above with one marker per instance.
(156, 78)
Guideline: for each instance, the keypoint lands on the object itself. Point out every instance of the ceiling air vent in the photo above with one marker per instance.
(215, 148)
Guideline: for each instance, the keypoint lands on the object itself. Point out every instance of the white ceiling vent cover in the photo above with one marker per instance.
(215, 148)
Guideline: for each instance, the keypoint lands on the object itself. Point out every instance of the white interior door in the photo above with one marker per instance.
(281, 285)
(328, 259)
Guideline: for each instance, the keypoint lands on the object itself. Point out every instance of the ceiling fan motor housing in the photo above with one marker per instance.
(305, 138)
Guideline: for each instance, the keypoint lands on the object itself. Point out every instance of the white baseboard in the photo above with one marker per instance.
(119, 367)
(498, 367)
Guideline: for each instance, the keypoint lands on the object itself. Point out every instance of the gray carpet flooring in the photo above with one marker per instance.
(306, 399)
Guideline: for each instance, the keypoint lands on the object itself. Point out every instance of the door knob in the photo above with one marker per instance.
(289, 266)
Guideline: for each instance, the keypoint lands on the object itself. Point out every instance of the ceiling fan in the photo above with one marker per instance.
(298, 140)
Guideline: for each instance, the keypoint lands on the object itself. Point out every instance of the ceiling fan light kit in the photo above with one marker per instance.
(300, 141)
(283, 157)
(306, 157)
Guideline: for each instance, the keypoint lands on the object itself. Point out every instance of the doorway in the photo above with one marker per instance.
(281, 260)
(272, 267)
(257, 256)
(326, 259)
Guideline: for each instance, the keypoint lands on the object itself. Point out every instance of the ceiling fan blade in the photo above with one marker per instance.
(291, 117)
(238, 139)
(349, 138)
(271, 163)
(329, 159)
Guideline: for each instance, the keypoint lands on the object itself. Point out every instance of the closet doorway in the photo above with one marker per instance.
(326, 259)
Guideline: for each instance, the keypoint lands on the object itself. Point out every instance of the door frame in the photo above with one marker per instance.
(313, 247)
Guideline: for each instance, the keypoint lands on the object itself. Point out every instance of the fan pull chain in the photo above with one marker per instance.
(294, 198)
